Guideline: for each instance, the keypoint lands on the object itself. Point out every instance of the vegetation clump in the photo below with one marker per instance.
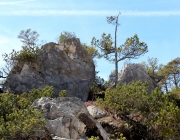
(62, 93)
(117, 136)
(158, 113)
(17, 119)
(29, 52)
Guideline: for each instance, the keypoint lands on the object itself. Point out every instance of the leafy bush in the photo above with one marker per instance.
(175, 96)
(98, 87)
(125, 98)
(159, 114)
(62, 93)
(66, 35)
(167, 121)
(121, 137)
(34, 94)
(93, 138)
(17, 119)
(27, 54)
(118, 136)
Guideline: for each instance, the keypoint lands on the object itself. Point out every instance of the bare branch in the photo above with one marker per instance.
(29, 38)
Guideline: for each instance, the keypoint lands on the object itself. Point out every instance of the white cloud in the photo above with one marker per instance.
(151, 13)
(86, 13)
(14, 3)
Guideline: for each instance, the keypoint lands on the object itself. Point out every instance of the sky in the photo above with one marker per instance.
(156, 23)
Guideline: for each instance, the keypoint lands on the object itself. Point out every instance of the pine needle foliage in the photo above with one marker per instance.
(17, 119)
(158, 113)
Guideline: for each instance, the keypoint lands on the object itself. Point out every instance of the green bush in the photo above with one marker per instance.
(175, 96)
(93, 138)
(116, 136)
(126, 98)
(167, 121)
(62, 93)
(98, 86)
(159, 113)
(17, 119)
(34, 94)
(27, 54)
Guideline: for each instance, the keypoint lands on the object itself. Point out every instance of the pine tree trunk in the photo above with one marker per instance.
(116, 59)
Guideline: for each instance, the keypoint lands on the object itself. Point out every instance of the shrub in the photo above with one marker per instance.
(167, 121)
(125, 98)
(34, 94)
(159, 113)
(27, 54)
(93, 138)
(62, 93)
(17, 119)
(120, 135)
(175, 96)
(98, 87)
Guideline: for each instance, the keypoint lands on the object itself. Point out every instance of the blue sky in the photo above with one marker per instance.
(156, 22)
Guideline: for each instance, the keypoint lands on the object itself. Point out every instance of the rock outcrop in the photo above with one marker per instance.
(135, 72)
(68, 117)
(64, 66)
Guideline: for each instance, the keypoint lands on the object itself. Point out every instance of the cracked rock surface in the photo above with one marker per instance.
(65, 66)
(68, 117)
(135, 72)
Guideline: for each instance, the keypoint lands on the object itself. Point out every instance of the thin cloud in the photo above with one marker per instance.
(86, 13)
(15, 3)
(55, 13)
(151, 13)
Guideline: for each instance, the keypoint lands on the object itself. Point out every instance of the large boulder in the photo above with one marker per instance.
(65, 66)
(68, 117)
(135, 72)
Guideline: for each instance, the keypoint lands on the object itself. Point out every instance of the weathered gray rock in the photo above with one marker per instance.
(68, 117)
(64, 66)
(135, 72)
(96, 112)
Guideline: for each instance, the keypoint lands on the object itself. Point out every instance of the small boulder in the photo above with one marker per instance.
(96, 112)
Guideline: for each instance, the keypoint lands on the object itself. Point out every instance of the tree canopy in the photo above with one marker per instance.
(28, 53)
(65, 35)
(29, 38)
(131, 49)
(166, 76)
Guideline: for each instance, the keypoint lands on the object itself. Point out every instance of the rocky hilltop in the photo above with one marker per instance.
(65, 66)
